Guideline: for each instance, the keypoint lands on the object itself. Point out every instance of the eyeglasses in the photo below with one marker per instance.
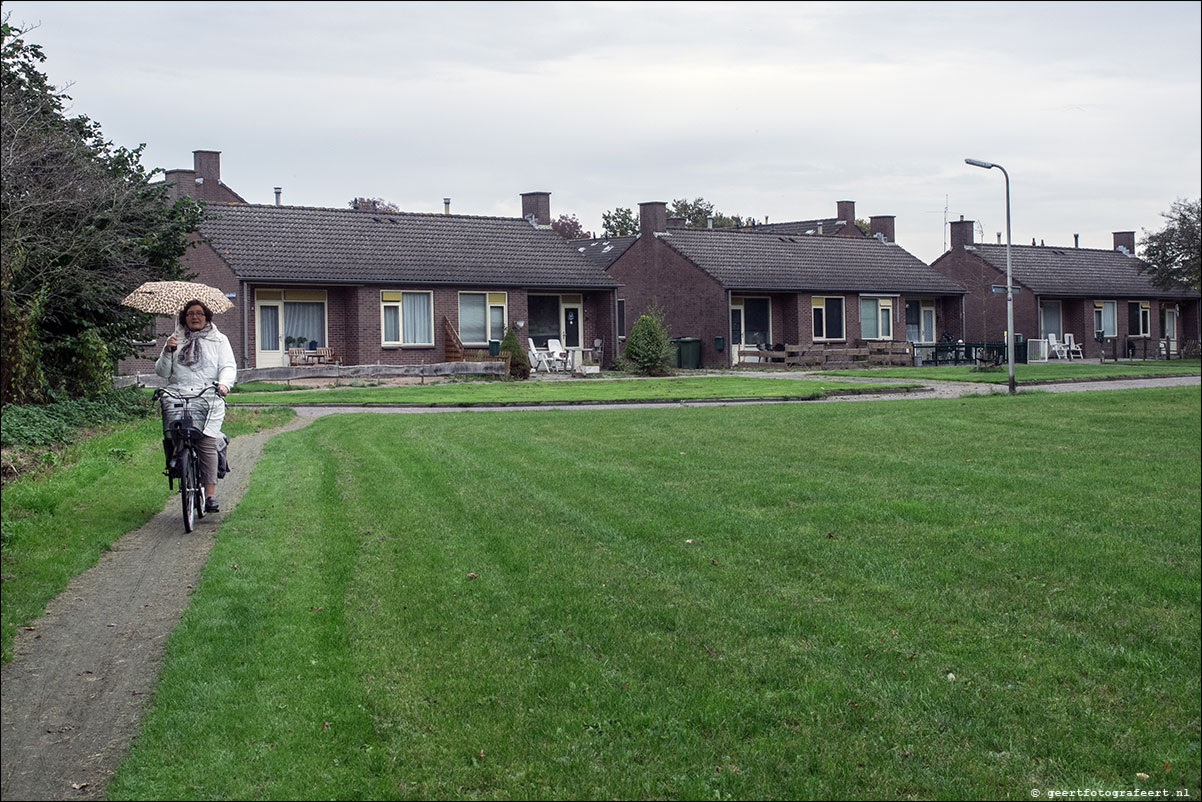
(195, 314)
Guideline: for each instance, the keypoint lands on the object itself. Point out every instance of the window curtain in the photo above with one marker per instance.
(392, 323)
(472, 318)
(305, 320)
(269, 328)
(869, 320)
(415, 312)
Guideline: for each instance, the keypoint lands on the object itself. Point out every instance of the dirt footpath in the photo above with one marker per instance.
(74, 694)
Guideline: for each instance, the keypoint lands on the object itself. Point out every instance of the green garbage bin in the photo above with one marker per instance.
(494, 347)
(689, 350)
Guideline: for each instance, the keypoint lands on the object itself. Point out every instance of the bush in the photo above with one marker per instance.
(58, 421)
(647, 347)
(519, 363)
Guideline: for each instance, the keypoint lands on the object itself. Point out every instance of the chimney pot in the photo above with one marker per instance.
(653, 217)
(882, 224)
(537, 204)
(846, 211)
(207, 164)
(963, 233)
(1076, 240)
(709, 221)
(446, 205)
(278, 190)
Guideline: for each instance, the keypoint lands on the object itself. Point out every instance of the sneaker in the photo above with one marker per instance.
(211, 505)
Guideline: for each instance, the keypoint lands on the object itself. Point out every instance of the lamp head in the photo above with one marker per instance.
(979, 163)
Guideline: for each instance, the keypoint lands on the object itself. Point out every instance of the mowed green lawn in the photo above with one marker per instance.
(1035, 372)
(570, 391)
(956, 599)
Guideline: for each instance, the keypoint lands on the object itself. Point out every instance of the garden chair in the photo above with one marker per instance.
(598, 349)
(1057, 348)
(297, 356)
(1070, 344)
(559, 354)
(541, 359)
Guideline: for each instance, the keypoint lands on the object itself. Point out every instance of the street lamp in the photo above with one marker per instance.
(1009, 282)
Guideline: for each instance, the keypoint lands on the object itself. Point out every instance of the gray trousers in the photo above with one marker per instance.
(207, 447)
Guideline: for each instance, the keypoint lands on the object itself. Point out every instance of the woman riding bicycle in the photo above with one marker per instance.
(203, 357)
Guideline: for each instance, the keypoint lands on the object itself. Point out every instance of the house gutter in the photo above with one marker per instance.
(730, 346)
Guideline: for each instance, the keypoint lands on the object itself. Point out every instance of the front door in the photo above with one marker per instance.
(269, 330)
(1170, 329)
(750, 324)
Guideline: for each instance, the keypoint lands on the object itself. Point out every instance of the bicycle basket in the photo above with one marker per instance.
(175, 414)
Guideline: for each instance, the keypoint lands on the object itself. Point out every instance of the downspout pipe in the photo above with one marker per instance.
(246, 329)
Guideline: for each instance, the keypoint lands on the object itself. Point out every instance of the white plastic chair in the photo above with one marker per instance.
(1057, 348)
(558, 354)
(1070, 344)
(538, 359)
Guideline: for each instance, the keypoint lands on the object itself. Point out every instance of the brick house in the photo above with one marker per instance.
(394, 288)
(750, 288)
(1063, 290)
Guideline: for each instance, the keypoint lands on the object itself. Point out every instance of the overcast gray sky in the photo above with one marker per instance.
(771, 110)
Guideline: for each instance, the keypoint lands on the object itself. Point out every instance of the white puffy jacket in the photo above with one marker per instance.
(216, 364)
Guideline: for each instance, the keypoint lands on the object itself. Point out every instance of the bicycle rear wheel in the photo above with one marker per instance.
(187, 488)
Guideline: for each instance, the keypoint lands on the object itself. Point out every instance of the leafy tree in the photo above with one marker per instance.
(568, 227)
(621, 222)
(698, 211)
(1172, 254)
(864, 225)
(648, 347)
(81, 225)
(373, 205)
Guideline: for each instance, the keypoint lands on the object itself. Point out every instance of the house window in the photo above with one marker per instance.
(289, 319)
(481, 317)
(544, 318)
(1049, 319)
(828, 318)
(1105, 318)
(407, 318)
(876, 318)
(1139, 318)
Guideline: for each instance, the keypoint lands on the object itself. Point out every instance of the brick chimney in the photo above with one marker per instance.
(1125, 239)
(653, 217)
(676, 222)
(539, 205)
(882, 224)
(962, 233)
(207, 164)
(846, 211)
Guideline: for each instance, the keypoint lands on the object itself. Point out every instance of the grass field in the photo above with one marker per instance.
(57, 525)
(1035, 372)
(956, 599)
(548, 392)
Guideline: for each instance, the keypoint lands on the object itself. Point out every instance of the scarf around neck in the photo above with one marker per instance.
(189, 352)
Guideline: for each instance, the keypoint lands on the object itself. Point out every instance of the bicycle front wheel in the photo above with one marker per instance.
(188, 484)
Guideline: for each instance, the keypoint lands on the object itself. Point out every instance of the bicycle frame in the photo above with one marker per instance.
(184, 462)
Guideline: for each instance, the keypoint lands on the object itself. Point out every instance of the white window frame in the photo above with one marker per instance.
(1099, 318)
(400, 314)
(883, 315)
(819, 302)
(490, 308)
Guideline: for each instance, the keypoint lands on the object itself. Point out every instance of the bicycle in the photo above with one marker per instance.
(182, 448)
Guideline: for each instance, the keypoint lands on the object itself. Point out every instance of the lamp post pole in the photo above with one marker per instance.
(1009, 282)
